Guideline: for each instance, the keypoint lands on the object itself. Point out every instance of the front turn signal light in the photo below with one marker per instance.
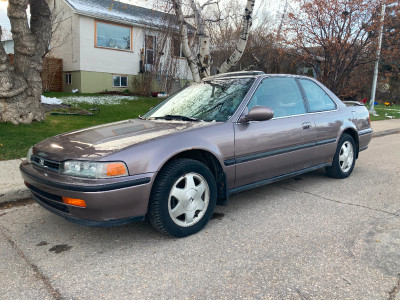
(116, 169)
(73, 201)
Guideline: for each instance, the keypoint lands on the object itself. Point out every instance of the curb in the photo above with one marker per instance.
(386, 132)
(15, 195)
(21, 194)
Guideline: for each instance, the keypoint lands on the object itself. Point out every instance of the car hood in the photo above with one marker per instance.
(99, 141)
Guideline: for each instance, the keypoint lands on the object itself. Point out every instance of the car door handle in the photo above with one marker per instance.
(306, 125)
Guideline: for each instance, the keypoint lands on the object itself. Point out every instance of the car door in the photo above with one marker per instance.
(285, 144)
(326, 118)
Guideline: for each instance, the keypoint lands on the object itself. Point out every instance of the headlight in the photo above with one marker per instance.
(30, 153)
(88, 169)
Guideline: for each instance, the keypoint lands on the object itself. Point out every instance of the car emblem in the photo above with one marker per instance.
(41, 161)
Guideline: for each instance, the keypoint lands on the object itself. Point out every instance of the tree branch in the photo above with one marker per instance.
(209, 2)
(214, 21)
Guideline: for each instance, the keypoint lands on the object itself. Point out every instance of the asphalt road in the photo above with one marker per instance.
(309, 237)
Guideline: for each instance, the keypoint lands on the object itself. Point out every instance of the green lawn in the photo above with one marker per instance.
(386, 113)
(15, 140)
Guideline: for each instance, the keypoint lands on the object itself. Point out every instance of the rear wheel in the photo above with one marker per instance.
(183, 198)
(344, 159)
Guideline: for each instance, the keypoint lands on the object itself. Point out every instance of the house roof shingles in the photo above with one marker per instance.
(122, 12)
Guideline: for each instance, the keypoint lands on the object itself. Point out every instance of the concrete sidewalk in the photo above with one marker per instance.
(12, 187)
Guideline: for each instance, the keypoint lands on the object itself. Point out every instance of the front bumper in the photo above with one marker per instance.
(109, 202)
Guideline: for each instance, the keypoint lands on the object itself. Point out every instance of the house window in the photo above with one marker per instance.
(177, 48)
(120, 81)
(150, 45)
(68, 78)
(113, 36)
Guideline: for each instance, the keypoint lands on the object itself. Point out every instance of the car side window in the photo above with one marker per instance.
(282, 94)
(318, 99)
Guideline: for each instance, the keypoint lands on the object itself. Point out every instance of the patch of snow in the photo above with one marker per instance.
(106, 99)
(49, 100)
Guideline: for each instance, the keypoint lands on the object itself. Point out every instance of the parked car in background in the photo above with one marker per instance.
(222, 136)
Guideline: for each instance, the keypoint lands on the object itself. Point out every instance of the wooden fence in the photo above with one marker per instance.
(52, 76)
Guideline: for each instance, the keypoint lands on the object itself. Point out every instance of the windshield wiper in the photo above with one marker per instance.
(179, 118)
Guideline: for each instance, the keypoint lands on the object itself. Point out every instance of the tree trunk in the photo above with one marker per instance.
(183, 29)
(204, 57)
(21, 84)
(200, 62)
(242, 42)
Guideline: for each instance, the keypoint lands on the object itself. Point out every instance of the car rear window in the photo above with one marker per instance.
(318, 99)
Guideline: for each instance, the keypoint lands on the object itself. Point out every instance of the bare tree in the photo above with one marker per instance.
(163, 67)
(58, 37)
(334, 37)
(199, 57)
(21, 84)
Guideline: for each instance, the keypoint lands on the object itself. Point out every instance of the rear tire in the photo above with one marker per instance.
(344, 159)
(183, 198)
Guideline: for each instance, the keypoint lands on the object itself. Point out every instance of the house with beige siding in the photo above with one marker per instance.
(106, 45)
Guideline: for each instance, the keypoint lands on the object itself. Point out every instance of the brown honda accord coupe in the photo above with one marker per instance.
(227, 134)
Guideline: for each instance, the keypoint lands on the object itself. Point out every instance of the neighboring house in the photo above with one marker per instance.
(8, 46)
(106, 44)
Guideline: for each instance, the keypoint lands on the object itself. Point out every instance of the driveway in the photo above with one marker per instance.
(308, 237)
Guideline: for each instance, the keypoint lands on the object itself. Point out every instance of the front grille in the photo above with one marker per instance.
(45, 163)
(58, 206)
(45, 194)
(51, 200)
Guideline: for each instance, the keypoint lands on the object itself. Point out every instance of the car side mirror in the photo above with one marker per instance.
(257, 113)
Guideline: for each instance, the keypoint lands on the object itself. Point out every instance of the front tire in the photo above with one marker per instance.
(344, 159)
(183, 198)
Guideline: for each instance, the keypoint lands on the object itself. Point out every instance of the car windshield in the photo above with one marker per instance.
(214, 100)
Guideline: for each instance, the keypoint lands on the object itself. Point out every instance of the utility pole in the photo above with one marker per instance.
(378, 56)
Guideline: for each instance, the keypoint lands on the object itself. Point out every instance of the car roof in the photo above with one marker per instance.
(235, 74)
(253, 74)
